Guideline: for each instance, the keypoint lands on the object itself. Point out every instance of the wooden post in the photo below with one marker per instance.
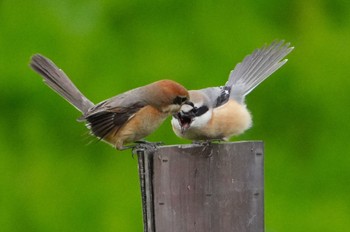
(204, 188)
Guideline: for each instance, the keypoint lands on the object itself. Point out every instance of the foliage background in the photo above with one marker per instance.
(53, 179)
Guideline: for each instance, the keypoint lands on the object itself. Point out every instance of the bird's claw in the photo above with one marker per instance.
(145, 146)
(150, 143)
(206, 144)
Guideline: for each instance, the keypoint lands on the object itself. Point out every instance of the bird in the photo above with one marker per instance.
(218, 113)
(123, 119)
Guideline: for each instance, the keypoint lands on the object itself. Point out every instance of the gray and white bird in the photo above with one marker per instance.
(218, 113)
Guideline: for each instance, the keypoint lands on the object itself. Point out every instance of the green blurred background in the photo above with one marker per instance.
(53, 177)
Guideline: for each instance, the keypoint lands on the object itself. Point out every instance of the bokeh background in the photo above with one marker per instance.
(54, 177)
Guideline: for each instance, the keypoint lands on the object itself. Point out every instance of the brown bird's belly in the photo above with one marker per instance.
(143, 123)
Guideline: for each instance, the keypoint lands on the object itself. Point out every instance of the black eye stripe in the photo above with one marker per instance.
(190, 104)
(200, 111)
(179, 100)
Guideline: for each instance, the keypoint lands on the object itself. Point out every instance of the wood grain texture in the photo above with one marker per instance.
(214, 188)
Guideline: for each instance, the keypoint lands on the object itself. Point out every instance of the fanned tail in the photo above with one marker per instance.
(256, 67)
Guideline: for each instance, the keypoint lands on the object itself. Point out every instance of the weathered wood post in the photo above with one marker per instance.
(204, 188)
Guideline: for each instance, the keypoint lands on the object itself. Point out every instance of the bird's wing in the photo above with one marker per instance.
(103, 122)
(111, 114)
(217, 95)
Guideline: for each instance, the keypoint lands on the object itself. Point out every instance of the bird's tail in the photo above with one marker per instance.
(256, 67)
(56, 79)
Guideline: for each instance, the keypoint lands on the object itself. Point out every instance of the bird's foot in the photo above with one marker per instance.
(140, 142)
(206, 142)
(206, 145)
(145, 146)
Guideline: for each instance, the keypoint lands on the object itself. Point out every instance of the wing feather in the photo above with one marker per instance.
(104, 122)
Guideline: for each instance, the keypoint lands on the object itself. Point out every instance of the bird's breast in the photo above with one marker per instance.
(228, 120)
(225, 121)
(143, 123)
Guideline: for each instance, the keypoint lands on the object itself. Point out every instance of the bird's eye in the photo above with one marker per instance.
(179, 100)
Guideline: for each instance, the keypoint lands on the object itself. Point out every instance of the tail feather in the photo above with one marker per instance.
(56, 79)
(255, 68)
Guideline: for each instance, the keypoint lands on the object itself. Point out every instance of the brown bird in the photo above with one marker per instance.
(123, 119)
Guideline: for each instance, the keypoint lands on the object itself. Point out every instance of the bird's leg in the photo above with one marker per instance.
(206, 144)
(140, 144)
(215, 140)
(156, 144)
(197, 142)
(123, 148)
(143, 145)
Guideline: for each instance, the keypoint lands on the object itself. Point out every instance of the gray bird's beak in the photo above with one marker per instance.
(185, 119)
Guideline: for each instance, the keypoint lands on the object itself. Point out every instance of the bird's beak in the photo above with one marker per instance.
(185, 119)
(185, 116)
(188, 102)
